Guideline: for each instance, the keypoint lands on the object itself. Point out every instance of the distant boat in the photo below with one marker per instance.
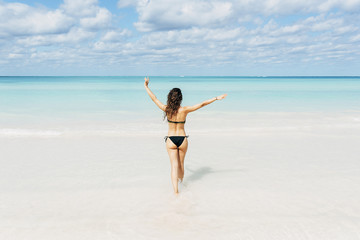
(181, 76)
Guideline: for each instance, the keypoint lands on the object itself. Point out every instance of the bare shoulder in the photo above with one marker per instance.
(183, 109)
(188, 109)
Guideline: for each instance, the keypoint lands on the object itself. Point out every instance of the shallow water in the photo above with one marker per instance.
(49, 98)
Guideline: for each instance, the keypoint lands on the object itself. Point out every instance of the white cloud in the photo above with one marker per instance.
(100, 20)
(80, 8)
(355, 38)
(17, 19)
(16, 55)
(87, 13)
(326, 25)
(75, 35)
(116, 35)
(347, 5)
(72, 22)
(288, 7)
(127, 3)
(180, 14)
(167, 15)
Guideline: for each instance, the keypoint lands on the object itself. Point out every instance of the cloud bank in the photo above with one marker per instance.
(248, 37)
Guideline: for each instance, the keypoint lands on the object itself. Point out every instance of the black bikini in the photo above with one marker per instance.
(175, 122)
(177, 140)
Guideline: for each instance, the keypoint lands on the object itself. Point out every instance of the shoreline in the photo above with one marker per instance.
(220, 123)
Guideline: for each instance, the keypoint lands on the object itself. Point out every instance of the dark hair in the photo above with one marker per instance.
(173, 102)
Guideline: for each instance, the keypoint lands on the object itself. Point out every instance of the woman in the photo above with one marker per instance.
(176, 141)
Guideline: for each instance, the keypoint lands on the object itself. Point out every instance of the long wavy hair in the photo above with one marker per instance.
(173, 102)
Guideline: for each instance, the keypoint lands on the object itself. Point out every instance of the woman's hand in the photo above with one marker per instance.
(221, 96)
(146, 83)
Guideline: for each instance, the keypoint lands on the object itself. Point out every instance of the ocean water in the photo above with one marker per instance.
(69, 96)
(36, 102)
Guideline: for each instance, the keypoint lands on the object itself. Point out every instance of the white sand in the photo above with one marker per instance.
(248, 176)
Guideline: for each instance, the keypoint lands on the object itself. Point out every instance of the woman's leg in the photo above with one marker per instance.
(182, 152)
(173, 155)
(180, 174)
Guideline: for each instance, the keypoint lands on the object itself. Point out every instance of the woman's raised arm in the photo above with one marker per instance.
(152, 95)
(204, 103)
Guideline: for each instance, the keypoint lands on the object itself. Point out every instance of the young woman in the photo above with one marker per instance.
(176, 141)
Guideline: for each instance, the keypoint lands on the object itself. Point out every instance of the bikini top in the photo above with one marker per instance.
(175, 122)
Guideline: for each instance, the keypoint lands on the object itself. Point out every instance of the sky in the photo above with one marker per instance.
(180, 37)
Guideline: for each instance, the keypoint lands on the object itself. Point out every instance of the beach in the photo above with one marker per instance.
(91, 174)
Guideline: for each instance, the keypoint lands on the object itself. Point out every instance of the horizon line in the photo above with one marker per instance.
(242, 76)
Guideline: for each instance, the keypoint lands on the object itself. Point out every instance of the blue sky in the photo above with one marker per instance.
(180, 37)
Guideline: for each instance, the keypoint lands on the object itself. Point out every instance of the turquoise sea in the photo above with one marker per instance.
(65, 98)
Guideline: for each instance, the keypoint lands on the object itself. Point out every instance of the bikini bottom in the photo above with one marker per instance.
(177, 140)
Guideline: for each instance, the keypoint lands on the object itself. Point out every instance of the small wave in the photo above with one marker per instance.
(13, 132)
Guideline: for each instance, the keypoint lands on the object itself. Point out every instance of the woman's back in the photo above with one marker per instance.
(177, 123)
